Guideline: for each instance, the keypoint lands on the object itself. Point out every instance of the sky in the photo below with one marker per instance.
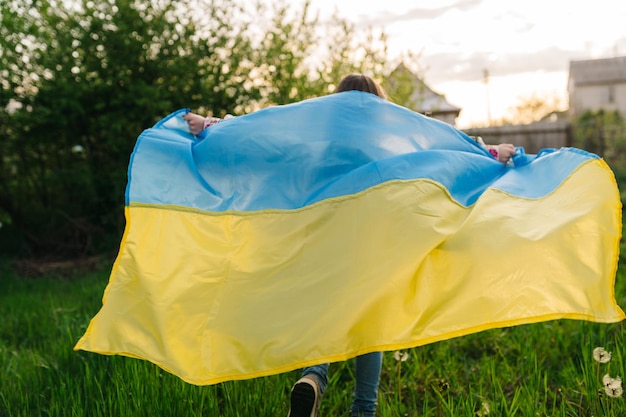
(526, 47)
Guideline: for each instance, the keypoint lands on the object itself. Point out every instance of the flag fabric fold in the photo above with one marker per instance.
(317, 231)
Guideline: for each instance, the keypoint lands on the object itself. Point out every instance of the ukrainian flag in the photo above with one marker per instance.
(321, 230)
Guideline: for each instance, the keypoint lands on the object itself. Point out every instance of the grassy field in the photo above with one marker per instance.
(544, 369)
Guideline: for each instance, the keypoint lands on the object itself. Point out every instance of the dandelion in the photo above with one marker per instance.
(443, 385)
(484, 409)
(612, 386)
(601, 355)
(400, 356)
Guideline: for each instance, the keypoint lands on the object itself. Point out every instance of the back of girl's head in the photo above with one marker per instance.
(360, 82)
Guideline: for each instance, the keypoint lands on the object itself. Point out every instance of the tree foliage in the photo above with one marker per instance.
(603, 133)
(534, 108)
(79, 80)
(344, 54)
(300, 57)
(529, 109)
(289, 39)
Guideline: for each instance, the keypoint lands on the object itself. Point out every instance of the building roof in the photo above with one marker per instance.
(423, 99)
(598, 71)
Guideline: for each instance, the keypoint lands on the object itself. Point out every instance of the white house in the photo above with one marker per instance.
(597, 84)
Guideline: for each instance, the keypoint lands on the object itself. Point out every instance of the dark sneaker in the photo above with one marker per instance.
(305, 398)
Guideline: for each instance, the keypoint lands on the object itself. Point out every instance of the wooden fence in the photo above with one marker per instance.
(532, 137)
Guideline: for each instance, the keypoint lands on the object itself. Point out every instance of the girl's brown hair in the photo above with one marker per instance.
(360, 82)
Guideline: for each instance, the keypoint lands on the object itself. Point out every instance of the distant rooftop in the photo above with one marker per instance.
(423, 98)
(598, 71)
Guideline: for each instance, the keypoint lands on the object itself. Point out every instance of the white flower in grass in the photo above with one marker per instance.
(612, 386)
(601, 355)
(484, 409)
(400, 356)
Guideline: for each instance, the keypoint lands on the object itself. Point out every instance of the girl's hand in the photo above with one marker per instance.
(195, 122)
(505, 152)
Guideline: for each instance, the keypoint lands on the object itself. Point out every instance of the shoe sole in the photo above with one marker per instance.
(302, 400)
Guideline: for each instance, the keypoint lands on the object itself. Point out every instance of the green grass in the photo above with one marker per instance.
(544, 369)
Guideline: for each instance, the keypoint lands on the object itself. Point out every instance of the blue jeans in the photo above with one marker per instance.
(368, 368)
